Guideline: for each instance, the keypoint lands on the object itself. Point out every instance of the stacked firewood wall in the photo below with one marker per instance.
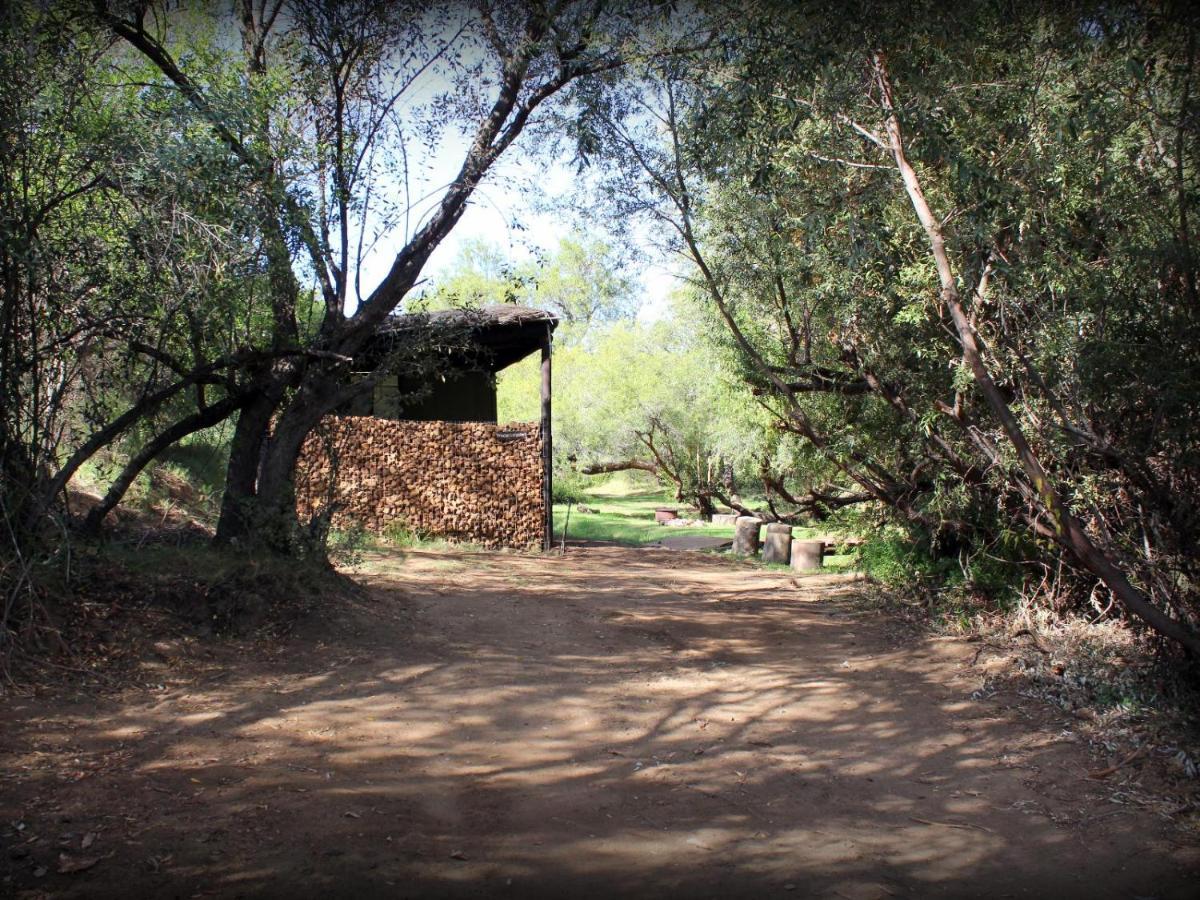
(465, 481)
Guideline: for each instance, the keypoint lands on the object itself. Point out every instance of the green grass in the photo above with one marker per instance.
(400, 537)
(625, 519)
(625, 515)
(832, 564)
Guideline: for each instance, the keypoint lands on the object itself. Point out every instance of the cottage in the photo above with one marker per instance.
(420, 449)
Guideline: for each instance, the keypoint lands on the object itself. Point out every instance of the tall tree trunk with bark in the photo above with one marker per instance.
(236, 522)
(1066, 529)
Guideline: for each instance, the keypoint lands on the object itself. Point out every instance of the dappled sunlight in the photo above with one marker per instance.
(616, 717)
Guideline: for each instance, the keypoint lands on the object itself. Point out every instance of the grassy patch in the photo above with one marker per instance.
(624, 515)
(841, 562)
(832, 564)
(625, 519)
(400, 537)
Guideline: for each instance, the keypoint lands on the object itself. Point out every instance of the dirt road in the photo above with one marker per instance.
(621, 723)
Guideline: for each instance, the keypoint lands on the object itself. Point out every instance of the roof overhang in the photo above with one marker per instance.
(492, 338)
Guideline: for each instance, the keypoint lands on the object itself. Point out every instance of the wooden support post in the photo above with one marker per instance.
(547, 447)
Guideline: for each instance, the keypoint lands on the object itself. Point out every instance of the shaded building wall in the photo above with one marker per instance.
(466, 396)
(475, 482)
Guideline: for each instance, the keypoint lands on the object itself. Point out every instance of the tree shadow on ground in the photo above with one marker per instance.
(621, 722)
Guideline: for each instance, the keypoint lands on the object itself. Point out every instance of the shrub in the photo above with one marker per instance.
(570, 487)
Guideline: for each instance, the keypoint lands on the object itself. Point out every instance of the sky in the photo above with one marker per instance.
(502, 212)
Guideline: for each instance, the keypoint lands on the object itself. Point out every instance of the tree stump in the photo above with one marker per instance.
(777, 548)
(745, 535)
(807, 555)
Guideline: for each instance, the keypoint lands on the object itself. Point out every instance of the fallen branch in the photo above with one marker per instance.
(620, 466)
(949, 824)
(1113, 770)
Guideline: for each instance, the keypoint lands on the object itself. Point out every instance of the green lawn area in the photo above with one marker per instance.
(625, 515)
(627, 518)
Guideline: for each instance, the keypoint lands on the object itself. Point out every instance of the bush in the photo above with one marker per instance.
(899, 560)
(955, 583)
(399, 534)
(346, 546)
(569, 487)
(201, 459)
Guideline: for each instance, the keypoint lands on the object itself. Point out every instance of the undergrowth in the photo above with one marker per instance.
(124, 598)
(399, 536)
(1129, 694)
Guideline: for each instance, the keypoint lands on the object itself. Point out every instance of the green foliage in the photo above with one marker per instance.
(954, 582)
(480, 275)
(346, 546)
(582, 281)
(645, 388)
(585, 283)
(569, 487)
(894, 558)
(519, 390)
(401, 535)
(1058, 152)
(201, 459)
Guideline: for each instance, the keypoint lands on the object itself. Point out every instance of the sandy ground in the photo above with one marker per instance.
(616, 723)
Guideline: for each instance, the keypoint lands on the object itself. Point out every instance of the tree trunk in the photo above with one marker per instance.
(280, 529)
(1068, 532)
(236, 522)
(745, 535)
(205, 418)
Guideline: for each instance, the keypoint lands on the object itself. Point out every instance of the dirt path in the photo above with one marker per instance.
(624, 723)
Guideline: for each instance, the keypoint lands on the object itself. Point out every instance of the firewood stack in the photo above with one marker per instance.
(464, 481)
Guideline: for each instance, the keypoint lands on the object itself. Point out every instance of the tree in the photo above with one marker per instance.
(314, 160)
(582, 281)
(585, 283)
(480, 275)
(659, 398)
(883, 213)
(108, 269)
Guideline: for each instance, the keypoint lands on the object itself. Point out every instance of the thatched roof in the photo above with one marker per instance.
(497, 336)
(499, 316)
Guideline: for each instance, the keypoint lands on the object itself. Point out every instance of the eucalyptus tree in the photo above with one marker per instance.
(319, 113)
(938, 242)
